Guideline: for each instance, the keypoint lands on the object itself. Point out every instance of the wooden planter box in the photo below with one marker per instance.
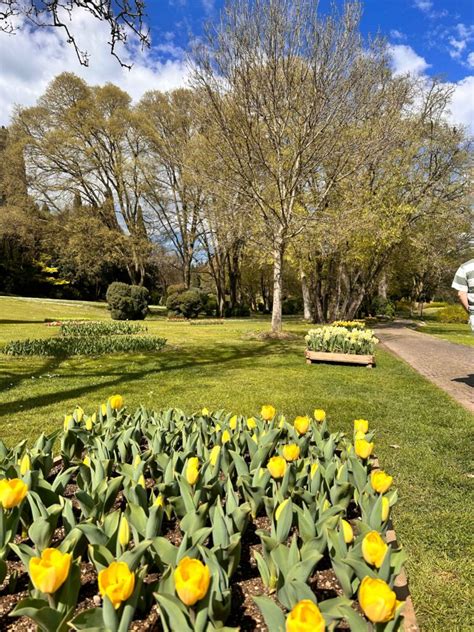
(343, 358)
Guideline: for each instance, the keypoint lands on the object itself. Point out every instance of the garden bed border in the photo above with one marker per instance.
(343, 358)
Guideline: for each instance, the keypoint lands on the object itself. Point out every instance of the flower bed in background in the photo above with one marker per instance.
(349, 324)
(100, 328)
(197, 522)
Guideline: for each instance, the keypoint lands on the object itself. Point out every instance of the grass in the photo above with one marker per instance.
(423, 436)
(454, 332)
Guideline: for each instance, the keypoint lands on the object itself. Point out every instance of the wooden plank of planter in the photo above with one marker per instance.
(344, 358)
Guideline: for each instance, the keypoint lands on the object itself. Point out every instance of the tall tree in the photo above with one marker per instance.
(282, 83)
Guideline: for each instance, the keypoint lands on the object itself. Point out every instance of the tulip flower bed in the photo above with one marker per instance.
(336, 343)
(163, 521)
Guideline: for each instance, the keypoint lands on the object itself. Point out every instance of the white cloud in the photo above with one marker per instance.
(395, 34)
(405, 60)
(470, 60)
(462, 103)
(423, 5)
(31, 58)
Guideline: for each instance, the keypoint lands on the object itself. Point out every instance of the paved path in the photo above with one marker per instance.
(449, 365)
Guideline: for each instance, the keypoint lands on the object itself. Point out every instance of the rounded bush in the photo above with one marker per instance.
(127, 302)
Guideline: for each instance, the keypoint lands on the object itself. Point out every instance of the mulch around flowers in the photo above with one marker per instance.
(245, 584)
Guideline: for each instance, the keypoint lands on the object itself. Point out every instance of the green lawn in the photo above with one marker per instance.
(423, 437)
(454, 332)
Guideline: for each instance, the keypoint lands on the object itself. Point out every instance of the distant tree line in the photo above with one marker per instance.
(296, 173)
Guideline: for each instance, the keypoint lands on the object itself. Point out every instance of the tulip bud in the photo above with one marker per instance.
(347, 531)
(301, 425)
(136, 460)
(363, 448)
(377, 600)
(233, 422)
(314, 469)
(305, 617)
(268, 412)
(214, 455)
(277, 466)
(124, 532)
(12, 492)
(68, 422)
(291, 452)
(225, 436)
(192, 470)
(251, 423)
(374, 549)
(86, 461)
(103, 409)
(385, 508)
(89, 423)
(141, 481)
(380, 481)
(116, 402)
(280, 508)
(79, 413)
(160, 501)
(361, 425)
(191, 580)
(25, 464)
(319, 415)
(205, 412)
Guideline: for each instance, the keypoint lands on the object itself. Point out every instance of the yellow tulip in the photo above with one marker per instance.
(103, 409)
(137, 459)
(377, 600)
(385, 508)
(225, 436)
(361, 425)
(68, 422)
(141, 481)
(301, 425)
(254, 438)
(380, 481)
(305, 617)
(268, 412)
(94, 417)
(233, 422)
(50, 571)
(359, 435)
(116, 402)
(314, 469)
(214, 455)
(374, 549)
(280, 508)
(160, 501)
(363, 448)
(89, 423)
(191, 580)
(326, 505)
(291, 452)
(25, 464)
(79, 413)
(320, 415)
(12, 492)
(251, 423)
(124, 532)
(192, 470)
(347, 531)
(116, 582)
(205, 412)
(86, 461)
(277, 466)
(217, 428)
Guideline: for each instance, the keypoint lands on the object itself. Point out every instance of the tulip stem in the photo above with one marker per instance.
(51, 601)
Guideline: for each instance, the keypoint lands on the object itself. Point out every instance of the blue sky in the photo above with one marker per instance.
(426, 37)
(441, 32)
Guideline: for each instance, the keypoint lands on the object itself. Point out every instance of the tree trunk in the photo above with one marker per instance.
(382, 289)
(278, 253)
(306, 296)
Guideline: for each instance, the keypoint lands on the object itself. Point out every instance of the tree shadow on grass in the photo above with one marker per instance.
(167, 361)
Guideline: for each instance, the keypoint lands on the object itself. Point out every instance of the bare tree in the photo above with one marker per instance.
(283, 85)
(123, 17)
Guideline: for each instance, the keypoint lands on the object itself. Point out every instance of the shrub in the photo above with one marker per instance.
(190, 303)
(127, 302)
(86, 345)
(382, 307)
(238, 311)
(341, 340)
(100, 328)
(292, 306)
(306, 503)
(451, 314)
